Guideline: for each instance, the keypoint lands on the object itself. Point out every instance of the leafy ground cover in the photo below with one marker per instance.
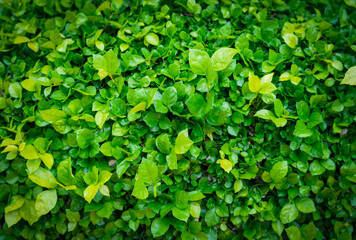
(177, 119)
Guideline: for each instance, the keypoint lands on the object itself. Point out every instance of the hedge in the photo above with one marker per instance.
(198, 119)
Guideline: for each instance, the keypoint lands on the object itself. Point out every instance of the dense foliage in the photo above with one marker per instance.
(198, 119)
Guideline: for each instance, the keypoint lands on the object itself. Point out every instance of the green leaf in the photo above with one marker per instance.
(264, 114)
(315, 119)
(13, 217)
(309, 231)
(29, 152)
(104, 176)
(222, 58)
(52, 115)
(316, 168)
(279, 122)
(29, 85)
(139, 107)
(199, 61)
(294, 233)
(112, 62)
(104, 190)
(21, 39)
(84, 137)
(350, 77)
(301, 130)
(64, 172)
(278, 227)
(288, 213)
(33, 165)
(106, 210)
(242, 42)
(267, 88)
(152, 39)
(44, 178)
(225, 164)
(90, 192)
(303, 111)
(28, 212)
(305, 205)
(107, 64)
(169, 96)
(217, 116)
(47, 159)
(196, 104)
(211, 218)
(181, 199)
(91, 178)
(181, 214)
(15, 203)
(15, 90)
(100, 119)
(172, 160)
(183, 143)
(195, 196)
(290, 39)
(46, 201)
(148, 171)
(121, 168)
(106, 149)
(195, 209)
(315, 100)
(254, 83)
(312, 34)
(99, 62)
(163, 143)
(140, 191)
(279, 171)
(152, 119)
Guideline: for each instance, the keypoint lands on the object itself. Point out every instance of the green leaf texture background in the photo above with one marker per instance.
(185, 119)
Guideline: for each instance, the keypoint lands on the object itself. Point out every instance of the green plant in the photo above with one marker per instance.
(177, 119)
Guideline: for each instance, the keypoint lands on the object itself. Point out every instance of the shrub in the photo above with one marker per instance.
(198, 119)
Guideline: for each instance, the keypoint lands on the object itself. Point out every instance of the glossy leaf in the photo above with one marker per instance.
(289, 213)
(222, 58)
(46, 201)
(182, 143)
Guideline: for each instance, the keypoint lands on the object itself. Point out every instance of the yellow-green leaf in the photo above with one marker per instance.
(100, 45)
(29, 85)
(183, 143)
(225, 164)
(285, 76)
(350, 76)
(13, 217)
(10, 148)
(152, 39)
(267, 78)
(290, 39)
(267, 87)
(46, 201)
(295, 80)
(104, 190)
(52, 115)
(21, 39)
(195, 209)
(29, 152)
(139, 107)
(90, 192)
(16, 202)
(254, 83)
(47, 159)
(33, 45)
(100, 118)
(44, 178)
